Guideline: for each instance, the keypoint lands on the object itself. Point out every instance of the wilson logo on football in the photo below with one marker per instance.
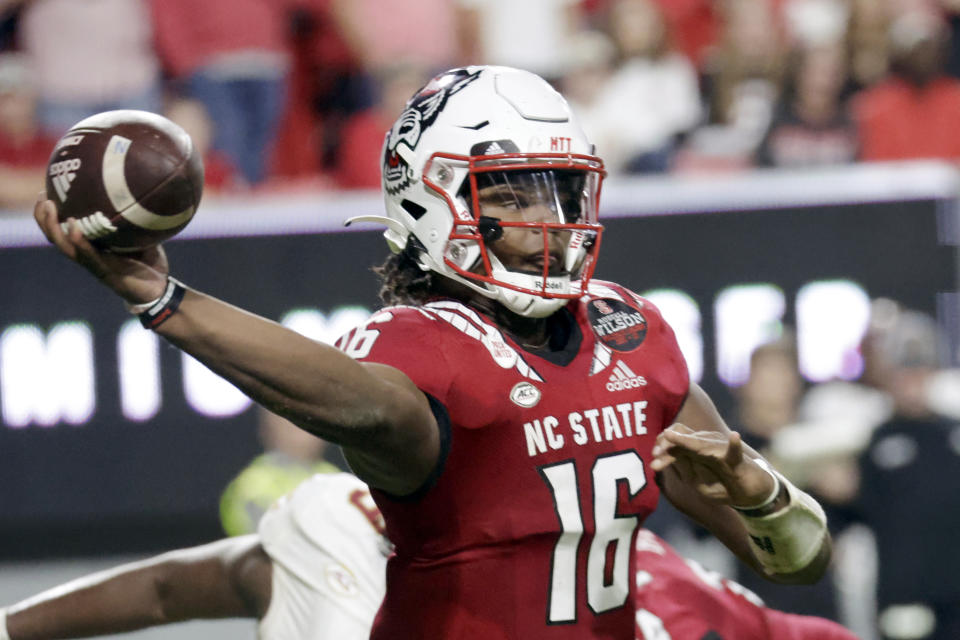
(623, 378)
(62, 174)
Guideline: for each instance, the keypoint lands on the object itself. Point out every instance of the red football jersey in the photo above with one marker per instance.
(678, 599)
(527, 528)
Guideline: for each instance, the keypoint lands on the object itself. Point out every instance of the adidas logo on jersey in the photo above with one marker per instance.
(623, 378)
(62, 174)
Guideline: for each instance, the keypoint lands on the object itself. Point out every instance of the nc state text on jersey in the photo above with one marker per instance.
(612, 422)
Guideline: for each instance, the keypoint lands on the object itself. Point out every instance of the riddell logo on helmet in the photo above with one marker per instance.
(552, 285)
(623, 378)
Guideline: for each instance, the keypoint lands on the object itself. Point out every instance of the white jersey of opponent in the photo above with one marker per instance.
(329, 561)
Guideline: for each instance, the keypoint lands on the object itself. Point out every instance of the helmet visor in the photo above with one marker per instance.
(547, 195)
(522, 221)
(540, 222)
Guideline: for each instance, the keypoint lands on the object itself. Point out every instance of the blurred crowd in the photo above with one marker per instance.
(882, 455)
(300, 92)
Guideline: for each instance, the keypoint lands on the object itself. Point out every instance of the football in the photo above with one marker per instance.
(130, 178)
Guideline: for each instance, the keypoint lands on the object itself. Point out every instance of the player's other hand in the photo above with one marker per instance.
(135, 277)
(714, 463)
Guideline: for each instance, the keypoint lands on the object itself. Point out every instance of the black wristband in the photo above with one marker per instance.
(165, 307)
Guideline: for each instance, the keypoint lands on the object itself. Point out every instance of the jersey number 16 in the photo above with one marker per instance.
(607, 586)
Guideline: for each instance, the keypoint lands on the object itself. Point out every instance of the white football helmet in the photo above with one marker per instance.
(484, 151)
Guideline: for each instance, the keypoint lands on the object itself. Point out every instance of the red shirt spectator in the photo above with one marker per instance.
(913, 113)
(361, 144)
(694, 24)
(359, 159)
(899, 120)
(24, 150)
(188, 38)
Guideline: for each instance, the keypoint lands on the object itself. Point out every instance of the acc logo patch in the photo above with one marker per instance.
(616, 324)
(524, 395)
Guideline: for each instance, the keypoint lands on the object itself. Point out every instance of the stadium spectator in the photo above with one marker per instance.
(381, 33)
(767, 403)
(361, 141)
(951, 13)
(918, 593)
(230, 55)
(863, 404)
(528, 35)
(812, 124)
(589, 58)
(768, 400)
(24, 151)
(912, 113)
(326, 84)
(290, 456)
(694, 24)
(868, 42)
(649, 100)
(742, 79)
(9, 19)
(83, 62)
(219, 174)
(495, 321)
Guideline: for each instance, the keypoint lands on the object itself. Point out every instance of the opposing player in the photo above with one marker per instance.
(314, 570)
(509, 413)
(679, 599)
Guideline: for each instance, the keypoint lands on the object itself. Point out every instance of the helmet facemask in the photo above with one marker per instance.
(525, 229)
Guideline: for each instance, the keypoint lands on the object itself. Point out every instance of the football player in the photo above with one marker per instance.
(516, 419)
(679, 599)
(314, 569)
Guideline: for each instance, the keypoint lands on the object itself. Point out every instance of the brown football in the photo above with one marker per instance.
(131, 179)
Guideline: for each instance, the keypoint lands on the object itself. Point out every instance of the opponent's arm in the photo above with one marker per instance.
(705, 470)
(373, 410)
(227, 578)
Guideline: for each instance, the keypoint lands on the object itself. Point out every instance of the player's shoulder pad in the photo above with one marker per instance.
(393, 320)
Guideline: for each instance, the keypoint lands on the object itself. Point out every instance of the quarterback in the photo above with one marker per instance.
(511, 473)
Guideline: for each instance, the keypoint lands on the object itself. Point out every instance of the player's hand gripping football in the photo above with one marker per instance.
(715, 464)
(135, 277)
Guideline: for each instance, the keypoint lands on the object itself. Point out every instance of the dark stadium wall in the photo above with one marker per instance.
(103, 481)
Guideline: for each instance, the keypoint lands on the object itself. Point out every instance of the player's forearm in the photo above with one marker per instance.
(221, 579)
(813, 571)
(313, 384)
(114, 601)
(789, 545)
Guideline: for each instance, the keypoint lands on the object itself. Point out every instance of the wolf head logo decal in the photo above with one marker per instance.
(421, 112)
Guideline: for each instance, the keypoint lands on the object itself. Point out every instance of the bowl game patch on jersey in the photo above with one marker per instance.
(617, 324)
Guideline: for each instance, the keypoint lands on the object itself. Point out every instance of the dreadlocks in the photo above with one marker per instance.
(402, 279)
